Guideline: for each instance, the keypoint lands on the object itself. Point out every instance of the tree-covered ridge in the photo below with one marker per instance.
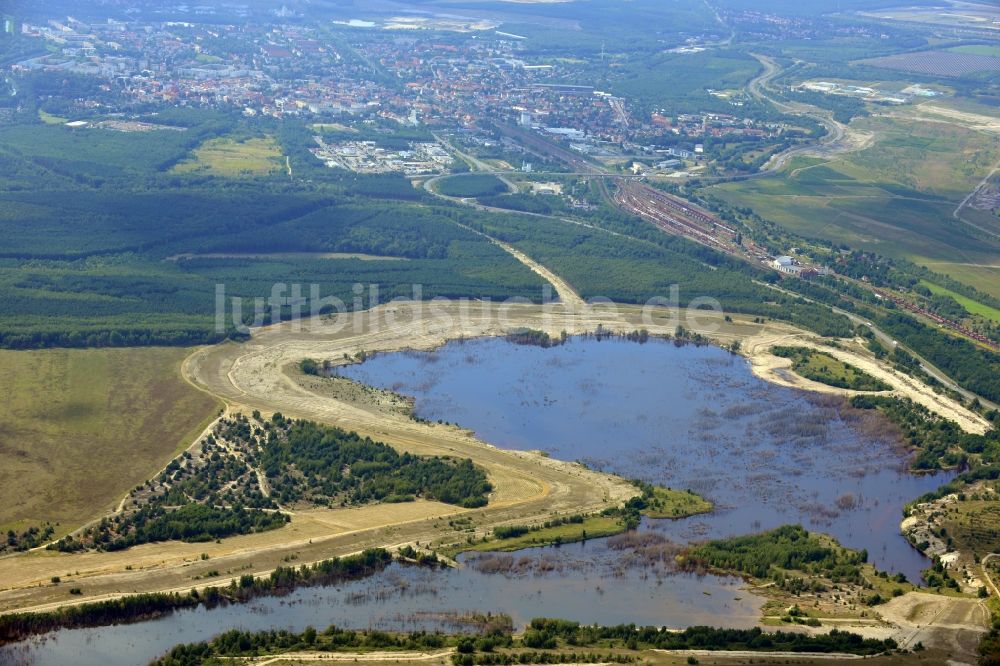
(248, 469)
(309, 462)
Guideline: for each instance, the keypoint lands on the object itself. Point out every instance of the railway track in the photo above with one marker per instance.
(675, 216)
(938, 319)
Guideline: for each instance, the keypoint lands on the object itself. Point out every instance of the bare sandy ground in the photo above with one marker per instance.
(778, 370)
(975, 121)
(379, 656)
(942, 624)
(948, 623)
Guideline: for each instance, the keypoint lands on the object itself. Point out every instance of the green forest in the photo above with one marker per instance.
(112, 250)
(215, 491)
(496, 646)
(937, 441)
(786, 548)
(307, 461)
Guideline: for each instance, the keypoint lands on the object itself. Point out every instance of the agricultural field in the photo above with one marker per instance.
(973, 307)
(938, 63)
(984, 276)
(50, 119)
(229, 157)
(80, 428)
(895, 197)
(977, 49)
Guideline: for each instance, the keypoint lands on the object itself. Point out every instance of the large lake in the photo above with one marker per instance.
(687, 417)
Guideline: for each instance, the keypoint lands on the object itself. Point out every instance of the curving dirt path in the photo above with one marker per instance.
(778, 371)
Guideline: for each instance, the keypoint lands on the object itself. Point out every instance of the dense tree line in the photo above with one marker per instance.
(236, 643)
(536, 646)
(115, 337)
(547, 631)
(191, 522)
(970, 365)
(939, 442)
(533, 657)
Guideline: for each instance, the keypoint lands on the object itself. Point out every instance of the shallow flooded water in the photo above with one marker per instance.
(687, 417)
(580, 581)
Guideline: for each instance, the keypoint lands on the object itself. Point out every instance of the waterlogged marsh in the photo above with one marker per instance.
(584, 581)
(686, 417)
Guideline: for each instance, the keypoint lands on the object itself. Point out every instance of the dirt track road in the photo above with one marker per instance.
(951, 624)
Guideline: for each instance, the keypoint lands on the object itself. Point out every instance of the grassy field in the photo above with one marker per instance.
(974, 307)
(591, 528)
(665, 503)
(985, 277)
(669, 503)
(50, 119)
(231, 158)
(973, 526)
(977, 49)
(895, 197)
(79, 428)
(474, 185)
(824, 368)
